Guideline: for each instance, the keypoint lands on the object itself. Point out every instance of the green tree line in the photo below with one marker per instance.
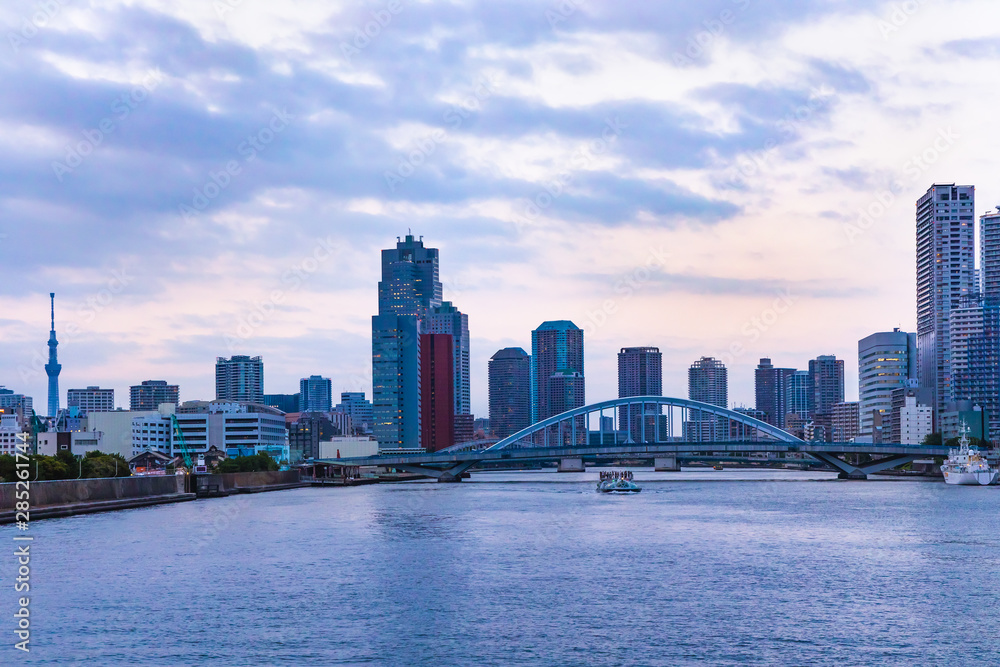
(66, 466)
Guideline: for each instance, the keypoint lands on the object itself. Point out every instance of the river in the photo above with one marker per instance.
(721, 568)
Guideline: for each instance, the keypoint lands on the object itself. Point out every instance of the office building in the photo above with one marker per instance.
(151, 393)
(801, 397)
(437, 387)
(640, 373)
(287, 403)
(305, 432)
(945, 278)
(509, 391)
(315, 394)
(556, 368)
(886, 362)
(708, 382)
(409, 289)
(91, 399)
(239, 378)
(53, 368)
(771, 389)
(358, 408)
(237, 428)
(446, 319)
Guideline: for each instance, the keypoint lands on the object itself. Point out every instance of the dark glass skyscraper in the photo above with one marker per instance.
(510, 391)
(409, 289)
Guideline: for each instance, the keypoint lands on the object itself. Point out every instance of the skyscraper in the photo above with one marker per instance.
(53, 368)
(827, 374)
(446, 319)
(315, 394)
(945, 277)
(409, 289)
(556, 355)
(886, 361)
(771, 389)
(437, 391)
(708, 382)
(989, 255)
(239, 378)
(510, 391)
(640, 373)
(801, 398)
(151, 393)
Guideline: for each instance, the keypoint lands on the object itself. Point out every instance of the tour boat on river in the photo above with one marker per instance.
(618, 482)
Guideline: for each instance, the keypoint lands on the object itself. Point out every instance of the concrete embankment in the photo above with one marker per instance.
(47, 500)
(53, 499)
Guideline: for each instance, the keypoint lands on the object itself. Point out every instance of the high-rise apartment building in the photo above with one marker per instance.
(149, 394)
(556, 368)
(640, 373)
(509, 391)
(315, 394)
(708, 382)
(91, 399)
(911, 416)
(239, 378)
(845, 420)
(437, 391)
(886, 361)
(989, 256)
(827, 373)
(409, 289)
(945, 229)
(771, 389)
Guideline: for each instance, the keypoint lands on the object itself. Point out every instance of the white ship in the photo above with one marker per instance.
(967, 466)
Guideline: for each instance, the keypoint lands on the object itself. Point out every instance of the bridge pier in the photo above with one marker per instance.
(572, 465)
(666, 464)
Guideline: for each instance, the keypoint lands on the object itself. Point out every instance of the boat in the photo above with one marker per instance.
(966, 466)
(617, 482)
(717, 466)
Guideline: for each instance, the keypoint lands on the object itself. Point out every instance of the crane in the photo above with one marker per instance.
(184, 448)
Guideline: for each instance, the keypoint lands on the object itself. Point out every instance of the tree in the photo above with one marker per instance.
(932, 440)
(256, 463)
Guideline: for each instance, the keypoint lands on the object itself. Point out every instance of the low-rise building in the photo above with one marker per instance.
(76, 443)
(347, 447)
(237, 428)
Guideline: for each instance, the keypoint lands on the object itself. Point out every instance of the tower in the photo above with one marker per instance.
(239, 378)
(510, 391)
(771, 391)
(640, 373)
(556, 366)
(945, 277)
(53, 368)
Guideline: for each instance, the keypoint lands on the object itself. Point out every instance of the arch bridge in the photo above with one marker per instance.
(661, 428)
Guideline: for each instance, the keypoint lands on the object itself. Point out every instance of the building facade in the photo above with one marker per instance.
(556, 368)
(945, 278)
(287, 403)
(239, 429)
(149, 394)
(91, 399)
(640, 373)
(708, 382)
(509, 391)
(845, 421)
(358, 408)
(239, 378)
(446, 319)
(771, 390)
(409, 289)
(17, 404)
(886, 362)
(315, 394)
(437, 391)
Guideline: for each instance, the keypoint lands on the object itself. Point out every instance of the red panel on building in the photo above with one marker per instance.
(437, 391)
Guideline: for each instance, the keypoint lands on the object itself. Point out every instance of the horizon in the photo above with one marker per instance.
(658, 180)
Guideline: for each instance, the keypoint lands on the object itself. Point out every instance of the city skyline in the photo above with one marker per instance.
(780, 191)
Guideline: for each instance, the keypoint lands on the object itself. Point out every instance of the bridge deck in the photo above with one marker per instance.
(647, 450)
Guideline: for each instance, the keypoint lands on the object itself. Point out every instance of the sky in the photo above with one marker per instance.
(728, 178)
